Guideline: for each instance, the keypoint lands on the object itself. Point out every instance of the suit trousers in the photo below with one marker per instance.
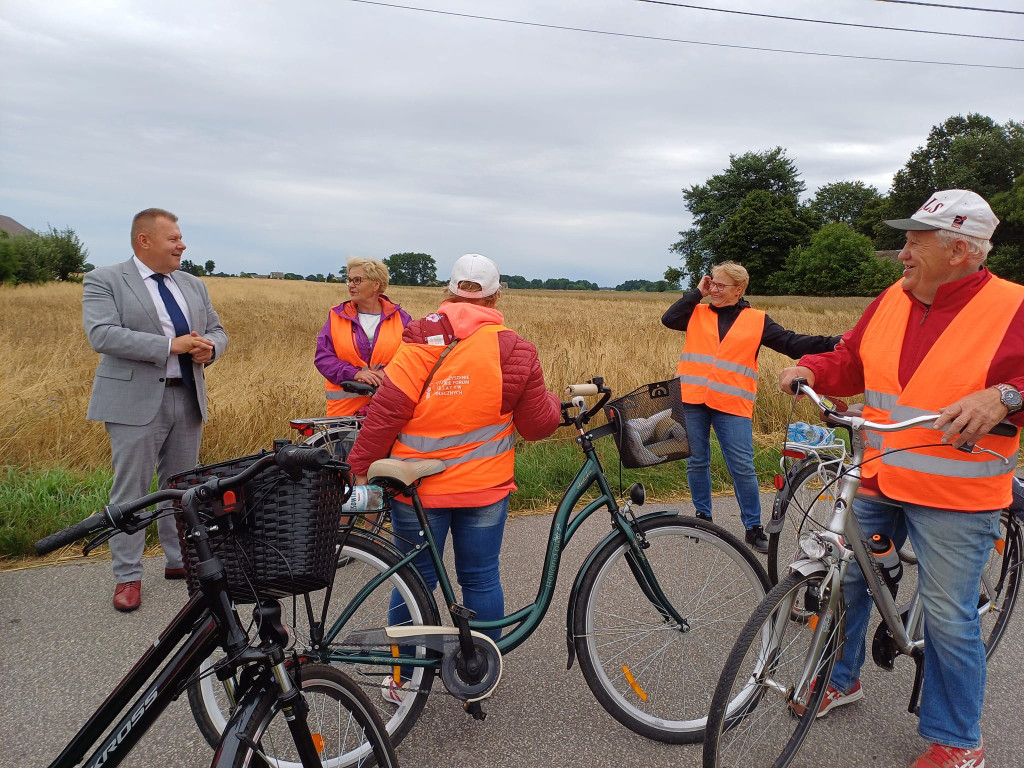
(170, 442)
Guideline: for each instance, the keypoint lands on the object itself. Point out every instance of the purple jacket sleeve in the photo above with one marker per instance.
(331, 367)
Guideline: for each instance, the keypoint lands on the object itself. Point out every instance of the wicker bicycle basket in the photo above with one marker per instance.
(280, 538)
(649, 425)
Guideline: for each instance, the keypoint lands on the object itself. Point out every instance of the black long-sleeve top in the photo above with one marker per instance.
(789, 343)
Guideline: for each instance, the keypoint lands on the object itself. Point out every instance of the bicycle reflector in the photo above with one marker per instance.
(780, 482)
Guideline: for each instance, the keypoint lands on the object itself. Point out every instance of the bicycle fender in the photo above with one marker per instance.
(807, 566)
(231, 742)
(570, 613)
(779, 506)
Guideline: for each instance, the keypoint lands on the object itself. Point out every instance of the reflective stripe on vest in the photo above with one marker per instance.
(389, 338)
(910, 466)
(458, 420)
(721, 374)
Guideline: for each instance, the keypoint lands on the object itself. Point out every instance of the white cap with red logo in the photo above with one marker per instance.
(956, 210)
(478, 269)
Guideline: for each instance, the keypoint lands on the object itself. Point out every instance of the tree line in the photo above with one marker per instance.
(38, 257)
(751, 213)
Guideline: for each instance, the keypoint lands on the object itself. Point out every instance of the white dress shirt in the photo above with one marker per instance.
(173, 366)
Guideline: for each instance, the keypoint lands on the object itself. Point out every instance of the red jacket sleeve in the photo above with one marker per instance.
(535, 411)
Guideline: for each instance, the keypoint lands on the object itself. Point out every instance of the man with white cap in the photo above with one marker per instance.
(459, 389)
(947, 338)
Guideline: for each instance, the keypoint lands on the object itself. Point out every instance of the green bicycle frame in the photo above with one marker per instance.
(528, 618)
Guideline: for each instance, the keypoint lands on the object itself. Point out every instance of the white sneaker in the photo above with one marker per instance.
(392, 692)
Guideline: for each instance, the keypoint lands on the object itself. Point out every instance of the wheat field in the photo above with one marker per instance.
(267, 375)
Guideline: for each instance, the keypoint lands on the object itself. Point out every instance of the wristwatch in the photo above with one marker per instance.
(1010, 397)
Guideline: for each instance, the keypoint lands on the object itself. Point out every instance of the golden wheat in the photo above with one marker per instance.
(267, 375)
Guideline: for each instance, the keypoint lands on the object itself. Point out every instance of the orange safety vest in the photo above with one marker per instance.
(459, 418)
(955, 366)
(389, 338)
(721, 374)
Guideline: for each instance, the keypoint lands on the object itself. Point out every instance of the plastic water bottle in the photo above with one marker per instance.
(887, 559)
(808, 434)
(365, 498)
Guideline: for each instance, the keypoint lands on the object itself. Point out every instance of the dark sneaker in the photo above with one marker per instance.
(702, 516)
(757, 540)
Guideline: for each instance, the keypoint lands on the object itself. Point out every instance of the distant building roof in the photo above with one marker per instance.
(893, 255)
(13, 228)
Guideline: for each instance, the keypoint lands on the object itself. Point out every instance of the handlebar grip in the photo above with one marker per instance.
(796, 383)
(1003, 429)
(581, 389)
(297, 457)
(72, 533)
(358, 388)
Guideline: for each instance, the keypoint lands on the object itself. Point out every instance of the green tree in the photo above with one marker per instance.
(715, 205)
(192, 269)
(515, 281)
(674, 276)
(972, 152)
(644, 285)
(210, 267)
(1007, 256)
(761, 234)
(846, 202)
(839, 262)
(411, 269)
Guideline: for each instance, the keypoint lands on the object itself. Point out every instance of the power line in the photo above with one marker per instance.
(954, 7)
(685, 42)
(833, 23)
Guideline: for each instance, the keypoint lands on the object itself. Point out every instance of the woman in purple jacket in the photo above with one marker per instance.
(360, 337)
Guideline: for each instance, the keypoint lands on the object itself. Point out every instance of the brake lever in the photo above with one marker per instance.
(99, 541)
(974, 450)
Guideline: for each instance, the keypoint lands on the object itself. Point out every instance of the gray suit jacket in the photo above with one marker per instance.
(122, 324)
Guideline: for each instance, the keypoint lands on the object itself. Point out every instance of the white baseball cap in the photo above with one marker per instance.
(956, 210)
(476, 269)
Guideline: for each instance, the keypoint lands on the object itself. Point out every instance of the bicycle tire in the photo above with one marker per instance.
(361, 559)
(751, 717)
(647, 674)
(807, 495)
(1001, 582)
(351, 731)
(338, 440)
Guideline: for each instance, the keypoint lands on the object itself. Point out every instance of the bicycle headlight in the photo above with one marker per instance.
(812, 546)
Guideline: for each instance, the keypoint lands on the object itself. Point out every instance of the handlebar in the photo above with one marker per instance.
(290, 458)
(577, 392)
(358, 388)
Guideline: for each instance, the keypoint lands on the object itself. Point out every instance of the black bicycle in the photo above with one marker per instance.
(288, 712)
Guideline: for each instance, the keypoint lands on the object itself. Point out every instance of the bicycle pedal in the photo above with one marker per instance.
(474, 708)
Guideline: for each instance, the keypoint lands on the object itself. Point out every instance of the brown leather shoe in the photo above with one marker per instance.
(173, 574)
(128, 596)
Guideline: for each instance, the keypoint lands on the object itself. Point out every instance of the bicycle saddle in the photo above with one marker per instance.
(402, 474)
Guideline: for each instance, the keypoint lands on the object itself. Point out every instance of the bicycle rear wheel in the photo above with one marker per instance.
(650, 674)
(362, 559)
(1001, 582)
(752, 718)
(345, 727)
(807, 500)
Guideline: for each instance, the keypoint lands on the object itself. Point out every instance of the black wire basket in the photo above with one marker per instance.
(279, 536)
(649, 425)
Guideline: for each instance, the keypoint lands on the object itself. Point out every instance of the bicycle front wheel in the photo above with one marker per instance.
(1000, 582)
(753, 716)
(652, 675)
(362, 559)
(346, 729)
(807, 502)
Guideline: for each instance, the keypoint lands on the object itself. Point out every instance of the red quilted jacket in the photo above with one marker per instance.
(535, 411)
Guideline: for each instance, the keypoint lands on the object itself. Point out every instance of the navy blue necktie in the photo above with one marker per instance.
(180, 327)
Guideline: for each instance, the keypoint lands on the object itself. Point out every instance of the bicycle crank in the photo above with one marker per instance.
(468, 679)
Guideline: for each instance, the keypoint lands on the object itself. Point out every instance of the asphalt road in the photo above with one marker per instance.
(63, 648)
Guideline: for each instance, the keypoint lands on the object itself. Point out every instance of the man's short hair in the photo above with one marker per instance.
(143, 219)
(976, 246)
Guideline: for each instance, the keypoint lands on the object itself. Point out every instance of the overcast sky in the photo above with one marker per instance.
(289, 136)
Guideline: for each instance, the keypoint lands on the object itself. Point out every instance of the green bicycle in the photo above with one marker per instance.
(651, 614)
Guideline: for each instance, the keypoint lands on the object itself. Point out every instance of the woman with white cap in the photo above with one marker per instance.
(459, 389)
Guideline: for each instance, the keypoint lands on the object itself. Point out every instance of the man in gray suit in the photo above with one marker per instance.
(156, 331)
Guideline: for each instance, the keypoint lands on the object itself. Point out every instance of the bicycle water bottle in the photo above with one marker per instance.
(887, 559)
(808, 434)
(365, 498)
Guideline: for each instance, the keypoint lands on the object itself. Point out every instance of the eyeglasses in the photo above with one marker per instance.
(721, 286)
(354, 280)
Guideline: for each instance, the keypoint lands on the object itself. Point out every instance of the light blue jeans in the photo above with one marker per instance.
(952, 549)
(736, 438)
(476, 542)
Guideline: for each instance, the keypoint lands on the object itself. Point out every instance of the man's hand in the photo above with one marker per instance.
(369, 376)
(704, 286)
(193, 344)
(970, 418)
(786, 376)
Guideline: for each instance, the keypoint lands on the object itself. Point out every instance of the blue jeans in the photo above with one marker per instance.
(476, 541)
(736, 438)
(952, 549)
